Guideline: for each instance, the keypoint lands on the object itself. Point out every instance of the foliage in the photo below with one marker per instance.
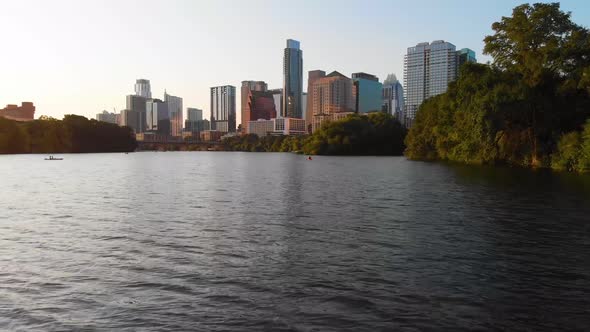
(73, 134)
(573, 151)
(517, 109)
(373, 134)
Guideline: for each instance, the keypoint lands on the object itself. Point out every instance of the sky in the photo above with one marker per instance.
(83, 57)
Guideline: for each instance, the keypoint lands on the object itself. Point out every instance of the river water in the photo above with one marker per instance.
(215, 241)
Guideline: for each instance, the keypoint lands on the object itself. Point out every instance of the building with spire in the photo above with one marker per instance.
(393, 97)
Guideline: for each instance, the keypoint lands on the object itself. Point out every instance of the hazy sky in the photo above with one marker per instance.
(83, 57)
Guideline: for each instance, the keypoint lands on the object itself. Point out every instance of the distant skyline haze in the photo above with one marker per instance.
(83, 57)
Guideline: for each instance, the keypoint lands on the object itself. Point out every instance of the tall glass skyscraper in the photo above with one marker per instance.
(366, 93)
(175, 109)
(157, 117)
(143, 88)
(194, 114)
(137, 104)
(223, 108)
(292, 80)
(465, 55)
(393, 97)
(428, 69)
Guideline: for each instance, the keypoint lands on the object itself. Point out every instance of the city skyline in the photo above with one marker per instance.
(90, 68)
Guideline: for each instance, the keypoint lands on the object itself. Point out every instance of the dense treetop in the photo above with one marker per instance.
(517, 109)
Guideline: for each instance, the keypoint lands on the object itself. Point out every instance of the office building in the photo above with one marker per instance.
(393, 97)
(175, 111)
(366, 93)
(277, 95)
(24, 112)
(131, 119)
(277, 126)
(327, 95)
(143, 88)
(292, 80)
(304, 106)
(312, 76)
(257, 103)
(194, 114)
(158, 117)
(137, 104)
(108, 117)
(465, 55)
(428, 69)
(196, 126)
(223, 108)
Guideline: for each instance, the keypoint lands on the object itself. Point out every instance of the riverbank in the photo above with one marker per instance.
(73, 134)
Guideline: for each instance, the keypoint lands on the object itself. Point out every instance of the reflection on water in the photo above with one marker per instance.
(247, 241)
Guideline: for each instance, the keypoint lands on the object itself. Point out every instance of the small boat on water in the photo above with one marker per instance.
(53, 158)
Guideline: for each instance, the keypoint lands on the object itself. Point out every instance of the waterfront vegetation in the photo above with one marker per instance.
(372, 134)
(73, 134)
(530, 107)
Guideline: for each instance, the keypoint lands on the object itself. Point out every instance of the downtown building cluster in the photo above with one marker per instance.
(428, 69)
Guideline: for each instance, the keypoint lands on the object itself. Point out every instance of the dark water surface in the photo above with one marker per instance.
(273, 242)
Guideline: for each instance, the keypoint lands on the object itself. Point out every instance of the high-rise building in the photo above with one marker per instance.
(143, 88)
(277, 95)
(137, 104)
(107, 117)
(292, 80)
(304, 106)
(175, 112)
(257, 103)
(465, 55)
(194, 114)
(130, 118)
(328, 95)
(223, 108)
(196, 126)
(25, 112)
(393, 97)
(158, 117)
(366, 93)
(312, 76)
(428, 69)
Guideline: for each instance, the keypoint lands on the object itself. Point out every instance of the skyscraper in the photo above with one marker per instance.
(292, 80)
(393, 97)
(312, 76)
(175, 109)
(223, 108)
(257, 103)
(143, 89)
(366, 93)
(428, 69)
(329, 97)
(277, 95)
(158, 117)
(194, 114)
(136, 104)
